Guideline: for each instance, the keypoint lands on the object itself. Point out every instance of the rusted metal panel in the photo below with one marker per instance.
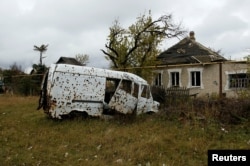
(68, 88)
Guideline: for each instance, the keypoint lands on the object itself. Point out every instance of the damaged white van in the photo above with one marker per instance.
(70, 88)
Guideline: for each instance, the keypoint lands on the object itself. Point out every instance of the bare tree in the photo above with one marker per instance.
(82, 58)
(137, 46)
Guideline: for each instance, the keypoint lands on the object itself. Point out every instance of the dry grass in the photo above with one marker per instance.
(28, 137)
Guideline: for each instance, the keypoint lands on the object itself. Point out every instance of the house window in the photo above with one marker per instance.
(175, 79)
(196, 78)
(158, 79)
(239, 80)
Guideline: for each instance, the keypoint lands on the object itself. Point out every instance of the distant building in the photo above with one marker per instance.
(68, 60)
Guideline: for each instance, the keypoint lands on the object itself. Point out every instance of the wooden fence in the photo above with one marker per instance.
(172, 95)
(177, 92)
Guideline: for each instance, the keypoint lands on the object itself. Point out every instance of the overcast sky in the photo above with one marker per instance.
(73, 27)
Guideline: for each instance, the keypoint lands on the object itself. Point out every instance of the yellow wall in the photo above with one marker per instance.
(210, 77)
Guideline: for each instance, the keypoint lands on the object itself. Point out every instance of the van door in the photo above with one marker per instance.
(43, 93)
(123, 99)
(145, 100)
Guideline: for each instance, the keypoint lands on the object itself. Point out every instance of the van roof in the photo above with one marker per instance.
(97, 72)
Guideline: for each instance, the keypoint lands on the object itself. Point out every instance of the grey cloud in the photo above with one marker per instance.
(81, 26)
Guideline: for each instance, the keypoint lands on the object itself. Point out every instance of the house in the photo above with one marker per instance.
(200, 69)
(68, 60)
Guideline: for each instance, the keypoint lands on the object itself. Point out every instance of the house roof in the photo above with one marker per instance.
(189, 51)
(68, 60)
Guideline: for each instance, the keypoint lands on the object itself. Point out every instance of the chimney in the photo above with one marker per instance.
(191, 35)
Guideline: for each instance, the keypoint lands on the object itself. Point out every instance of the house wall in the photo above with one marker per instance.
(210, 82)
(232, 68)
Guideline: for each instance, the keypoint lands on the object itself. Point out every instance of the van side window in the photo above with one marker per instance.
(145, 91)
(126, 86)
(135, 90)
(111, 86)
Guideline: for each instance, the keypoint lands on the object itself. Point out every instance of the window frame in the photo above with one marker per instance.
(175, 79)
(195, 78)
(170, 71)
(158, 79)
(191, 79)
(228, 74)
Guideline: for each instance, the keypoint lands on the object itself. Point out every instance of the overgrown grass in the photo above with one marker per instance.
(29, 137)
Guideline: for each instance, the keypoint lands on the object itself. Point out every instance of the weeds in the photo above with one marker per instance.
(176, 136)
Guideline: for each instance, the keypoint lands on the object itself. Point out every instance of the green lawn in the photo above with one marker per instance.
(29, 137)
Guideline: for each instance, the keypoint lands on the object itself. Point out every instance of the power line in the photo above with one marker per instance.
(24, 75)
